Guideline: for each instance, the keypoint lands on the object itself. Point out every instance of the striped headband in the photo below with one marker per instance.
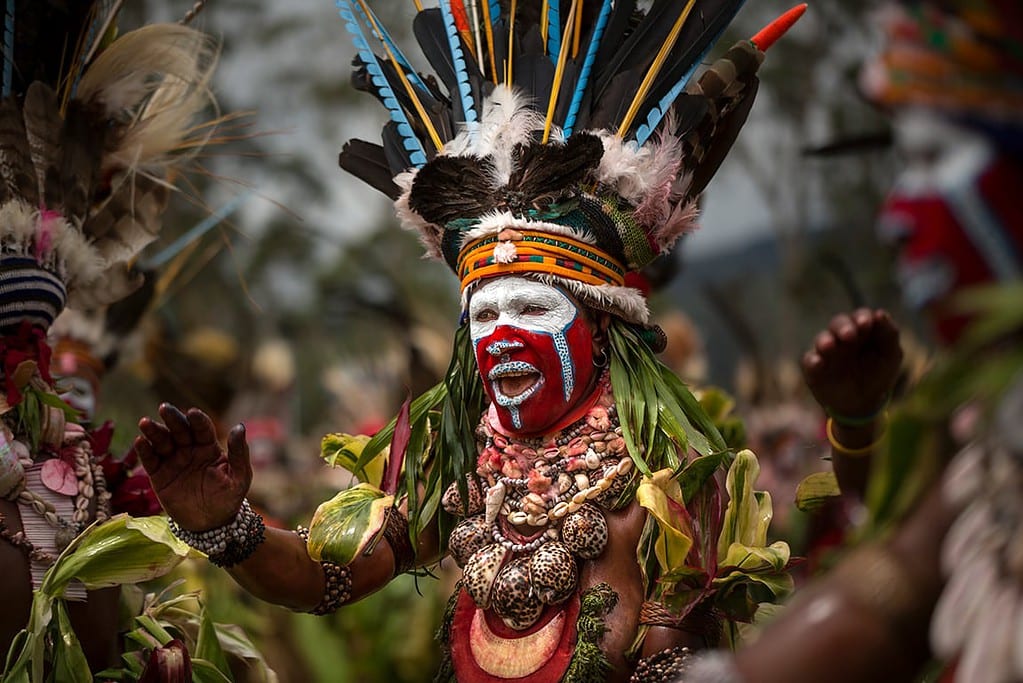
(530, 251)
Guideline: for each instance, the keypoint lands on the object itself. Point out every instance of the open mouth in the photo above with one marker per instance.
(514, 382)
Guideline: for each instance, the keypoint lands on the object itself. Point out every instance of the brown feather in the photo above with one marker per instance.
(17, 174)
(546, 171)
(451, 187)
(43, 126)
(80, 154)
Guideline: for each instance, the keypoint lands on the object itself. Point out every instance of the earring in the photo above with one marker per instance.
(601, 361)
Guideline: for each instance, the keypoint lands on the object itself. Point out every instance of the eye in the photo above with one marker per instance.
(485, 315)
(534, 309)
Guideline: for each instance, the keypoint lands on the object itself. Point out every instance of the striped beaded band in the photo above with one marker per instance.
(538, 252)
(28, 292)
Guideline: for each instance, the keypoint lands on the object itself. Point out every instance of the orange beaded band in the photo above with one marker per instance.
(538, 252)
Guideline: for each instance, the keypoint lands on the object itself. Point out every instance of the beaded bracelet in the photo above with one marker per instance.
(227, 545)
(337, 589)
(661, 666)
(845, 450)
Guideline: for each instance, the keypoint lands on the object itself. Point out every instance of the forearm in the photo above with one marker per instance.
(867, 620)
(852, 452)
(280, 570)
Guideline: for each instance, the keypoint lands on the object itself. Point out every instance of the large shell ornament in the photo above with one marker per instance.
(469, 536)
(584, 532)
(451, 501)
(513, 598)
(553, 572)
(480, 572)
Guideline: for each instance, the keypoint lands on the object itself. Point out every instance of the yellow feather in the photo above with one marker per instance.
(655, 67)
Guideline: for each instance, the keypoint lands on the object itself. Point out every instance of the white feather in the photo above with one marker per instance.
(156, 80)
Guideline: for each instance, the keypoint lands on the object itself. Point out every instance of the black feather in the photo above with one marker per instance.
(533, 70)
(701, 30)
(639, 49)
(398, 158)
(437, 111)
(451, 187)
(367, 161)
(47, 33)
(688, 111)
(544, 172)
(428, 27)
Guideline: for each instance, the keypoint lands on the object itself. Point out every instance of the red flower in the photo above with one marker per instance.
(129, 485)
(28, 343)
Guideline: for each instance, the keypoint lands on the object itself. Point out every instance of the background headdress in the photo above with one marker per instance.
(92, 127)
(565, 140)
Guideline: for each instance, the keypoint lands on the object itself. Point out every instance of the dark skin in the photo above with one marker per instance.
(851, 370)
(201, 485)
(867, 620)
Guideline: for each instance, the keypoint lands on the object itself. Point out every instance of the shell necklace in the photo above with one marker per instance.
(535, 510)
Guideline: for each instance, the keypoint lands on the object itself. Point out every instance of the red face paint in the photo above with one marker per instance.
(534, 350)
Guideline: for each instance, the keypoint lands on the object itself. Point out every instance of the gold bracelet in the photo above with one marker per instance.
(845, 450)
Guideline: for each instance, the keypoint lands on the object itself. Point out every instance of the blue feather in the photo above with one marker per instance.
(657, 113)
(410, 142)
(495, 11)
(196, 231)
(584, 72)
(458, 58)
(385, 37)
(554, 29)
(8, 49)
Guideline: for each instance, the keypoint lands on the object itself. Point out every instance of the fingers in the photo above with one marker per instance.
(201, 426)
(144, 449)
(238, 451)
(177, 424)
(157, 436)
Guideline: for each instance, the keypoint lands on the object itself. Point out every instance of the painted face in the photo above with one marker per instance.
(80, 395)
(534, 350)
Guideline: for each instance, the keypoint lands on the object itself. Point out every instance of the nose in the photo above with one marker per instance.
(496, 348)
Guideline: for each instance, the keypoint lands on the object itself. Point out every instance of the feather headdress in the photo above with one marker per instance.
(570, 141)
(91, 127)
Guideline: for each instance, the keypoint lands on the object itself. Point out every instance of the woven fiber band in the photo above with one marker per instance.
(543, 253)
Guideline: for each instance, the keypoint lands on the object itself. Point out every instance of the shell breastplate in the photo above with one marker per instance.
(535, 510)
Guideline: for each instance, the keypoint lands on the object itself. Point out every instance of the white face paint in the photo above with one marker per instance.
(519, 302)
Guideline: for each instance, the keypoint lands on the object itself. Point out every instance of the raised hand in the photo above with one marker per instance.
(199, 484)
(854, 363)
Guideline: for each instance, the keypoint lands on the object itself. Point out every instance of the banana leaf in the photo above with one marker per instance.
(816, 490)
(121, 550)
(661, 496)
(344, 450)
(69, 663)
(749, 513)
(345, 525)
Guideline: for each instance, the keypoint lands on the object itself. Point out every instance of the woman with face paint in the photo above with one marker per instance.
(573, 478)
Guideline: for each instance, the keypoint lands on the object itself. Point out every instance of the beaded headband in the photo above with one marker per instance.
(514, 252)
